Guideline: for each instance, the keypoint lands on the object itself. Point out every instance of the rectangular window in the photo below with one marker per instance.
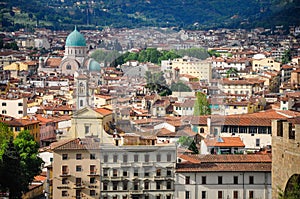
(251, 194)
(257, 142)
(92, 192)
(20, 104)
(203, 195)
(3, 103)
(125, 185)
(169, 172)
(251, 179)
(158, 157)
(169, 185)
(115, 186)
(105, 186)
(105, 158)
(64, 181)
(86, 129)
(158, 172)
(115, 158)
(158, 184)
(64, 156)
(220, 194)
(146, 185)
(203, 179)
(78, 168)
(20, 112)
(136, 158)
(105, 172)
(115, 172)
(187, 195)
(4, 111)
(78, 156)
(169, 157)
(92, 180)
(64, 193)
(92, 156)
(147, 157)
(78, 181)
(125, 173)
(235, 194)
(65, 170)
(125, 158)
(235, 180)
(187, 179)
(220, 179)
(136, 172)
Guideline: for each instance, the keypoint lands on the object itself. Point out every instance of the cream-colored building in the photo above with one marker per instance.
(13, 106)
(261, 63)
(138, 172)
(76, 168)
(192, 66)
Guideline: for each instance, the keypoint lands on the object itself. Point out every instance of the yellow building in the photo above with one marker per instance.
(261, 63)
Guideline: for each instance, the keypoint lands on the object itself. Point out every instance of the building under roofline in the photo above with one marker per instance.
(223, 176)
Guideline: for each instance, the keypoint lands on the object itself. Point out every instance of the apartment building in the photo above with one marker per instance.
(76, 168)
(223, 176)
(262, 63)
(137, 171)
(14, 106)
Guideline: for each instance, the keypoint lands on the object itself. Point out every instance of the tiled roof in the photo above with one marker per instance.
(103, 111)
(227, 142)
(205, 163)
(76, 144)
(20, 122)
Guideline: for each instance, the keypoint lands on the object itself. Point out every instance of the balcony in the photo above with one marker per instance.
(79, 186)
(116, 178)
(65, 174)
(93, 173)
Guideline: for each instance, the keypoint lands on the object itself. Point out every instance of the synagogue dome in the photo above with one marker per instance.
(75, 38)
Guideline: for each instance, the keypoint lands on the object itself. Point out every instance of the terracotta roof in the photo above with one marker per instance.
(53, 62)
(76, 144)
(224, 142)
(103, 111)
(20, 122)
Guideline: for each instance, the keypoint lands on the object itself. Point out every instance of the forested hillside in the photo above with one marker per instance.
(187, 14)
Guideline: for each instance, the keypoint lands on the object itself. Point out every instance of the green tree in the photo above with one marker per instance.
(189, 143)
(292, 190)
(201, 106)
(232, 72)
(180, 87)
(5, 135)
(286, 57)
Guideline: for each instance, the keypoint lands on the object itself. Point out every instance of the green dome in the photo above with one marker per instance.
(75, 38)
(94, 66)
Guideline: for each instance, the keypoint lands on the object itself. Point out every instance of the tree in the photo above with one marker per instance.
(5, 135)
(189, 143)
(292, 190)
(286, 57)
(180, 87)
(201, 106)
(232, 72)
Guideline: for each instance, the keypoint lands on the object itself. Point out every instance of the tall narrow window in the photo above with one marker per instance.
(187, 195)
(220, 194)
(203, 179)
(251, 194)
(235, 180)
(187, 179)
(147, 157)
(251, 179)
(136, 158)
(220, 179)
(158, 157)
(235, 194)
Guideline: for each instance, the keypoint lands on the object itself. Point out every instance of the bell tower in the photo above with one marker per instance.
(82, 91)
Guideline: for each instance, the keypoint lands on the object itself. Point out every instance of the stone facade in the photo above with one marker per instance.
(285, 154)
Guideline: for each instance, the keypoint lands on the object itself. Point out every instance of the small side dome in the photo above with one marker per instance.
(75, 38)
(94, 66)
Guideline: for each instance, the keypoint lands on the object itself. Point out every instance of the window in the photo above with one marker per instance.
(158, 184)
(64, 193)
(235, 180)
(220, 194)
(78, 156)
(115, 158)
(78, 168)
(158, 172)
(203, 179)
(125, 173)
(158, 197)
(64, 181)
(146, 185)
(20, 104)
(147, 157)
(220, 180)
(187, 195)
(158, 157)
(92, 156)
(136, 172)
(64, 156)
(92, 180)
(92, 192)
(68, 67)
(257, 142)
(65, 170)
(203, 194)
(115, 186)
(169, 172)
(146, 174)
(235, 194)
(87, 129)
(125, 158)
(4, 111)
(187, 179)
(105, 158)
(115, 172)
(78, 181)
(169, 157)
(136, 158)
(105, 186)
(81, 102)
(3, 103)
(20, 112)
(125, 185)
(136, 185)
(251, 179)
(169, 185)
(251, 194)
(105, 172)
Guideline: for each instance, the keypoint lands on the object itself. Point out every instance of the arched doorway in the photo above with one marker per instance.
(292, 188)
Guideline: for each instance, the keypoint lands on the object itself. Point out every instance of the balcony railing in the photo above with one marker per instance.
(93, 173)
(79, 186)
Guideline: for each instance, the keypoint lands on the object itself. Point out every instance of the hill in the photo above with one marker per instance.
(187, 14)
